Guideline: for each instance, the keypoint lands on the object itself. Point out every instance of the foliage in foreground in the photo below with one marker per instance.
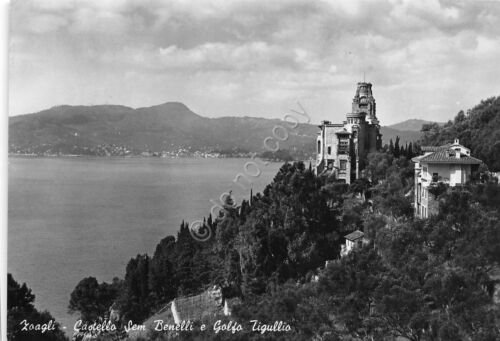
(425, 280)
(20, 307)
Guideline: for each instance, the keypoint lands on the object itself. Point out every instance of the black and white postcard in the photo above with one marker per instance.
(253, 170)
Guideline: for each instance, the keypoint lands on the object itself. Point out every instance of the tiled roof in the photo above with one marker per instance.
(448, 156)
(354, 235)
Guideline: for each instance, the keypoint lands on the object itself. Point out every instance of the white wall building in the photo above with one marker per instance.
(450, 164)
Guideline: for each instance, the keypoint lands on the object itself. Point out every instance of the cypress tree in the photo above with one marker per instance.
(409, 153)
(396, 148)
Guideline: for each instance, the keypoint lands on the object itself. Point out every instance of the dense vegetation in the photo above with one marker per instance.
(420, 279)
(21, 310)
(478, 129)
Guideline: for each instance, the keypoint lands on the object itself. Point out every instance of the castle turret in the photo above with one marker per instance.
(363, 101)
(342, 148)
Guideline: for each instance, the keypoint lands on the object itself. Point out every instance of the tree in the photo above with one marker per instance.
(397, 151)
(409, 153)
(290, 230)
(135, 300)
(163, 271)
(20, 307)
(93, 300)
(378, 165)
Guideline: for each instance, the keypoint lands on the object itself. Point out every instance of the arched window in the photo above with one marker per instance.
(329, 150)
(319, 147)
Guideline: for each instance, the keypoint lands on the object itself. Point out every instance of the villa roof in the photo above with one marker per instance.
(354, 235)
(448, 156)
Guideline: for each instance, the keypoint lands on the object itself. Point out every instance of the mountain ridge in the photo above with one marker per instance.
(412, 124)
(169, 126)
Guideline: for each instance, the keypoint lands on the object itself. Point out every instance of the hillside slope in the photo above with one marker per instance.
(121, 130)
(411, 125)
(165, 127)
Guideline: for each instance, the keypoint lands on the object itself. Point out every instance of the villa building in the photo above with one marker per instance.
(342, 148)
(450, 164)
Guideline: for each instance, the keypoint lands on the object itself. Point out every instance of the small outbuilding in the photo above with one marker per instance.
(352, 240)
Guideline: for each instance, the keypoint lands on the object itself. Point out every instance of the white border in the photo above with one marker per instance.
(4, 19)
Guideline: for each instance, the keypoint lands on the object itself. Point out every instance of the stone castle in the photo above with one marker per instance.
(342, 148)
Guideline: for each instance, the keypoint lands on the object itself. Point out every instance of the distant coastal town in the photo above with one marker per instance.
(112, 150)
(107, 150)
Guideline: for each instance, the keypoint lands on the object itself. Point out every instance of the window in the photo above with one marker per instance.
(435, 177)
(319, 147)
(329, 150)
(343, 146)
(343, 165)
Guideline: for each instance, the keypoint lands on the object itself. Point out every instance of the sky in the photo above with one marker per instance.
(426, 59)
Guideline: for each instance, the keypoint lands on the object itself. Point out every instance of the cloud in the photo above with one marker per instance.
(46, 23)
(251, 56)
(262, 53)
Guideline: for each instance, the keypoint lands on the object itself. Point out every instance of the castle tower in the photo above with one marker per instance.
(342, 149)
(363, 101)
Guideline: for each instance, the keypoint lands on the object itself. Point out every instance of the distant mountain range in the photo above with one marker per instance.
(169, 127)
(411, 125)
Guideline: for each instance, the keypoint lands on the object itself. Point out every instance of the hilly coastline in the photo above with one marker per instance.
(169, 129)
